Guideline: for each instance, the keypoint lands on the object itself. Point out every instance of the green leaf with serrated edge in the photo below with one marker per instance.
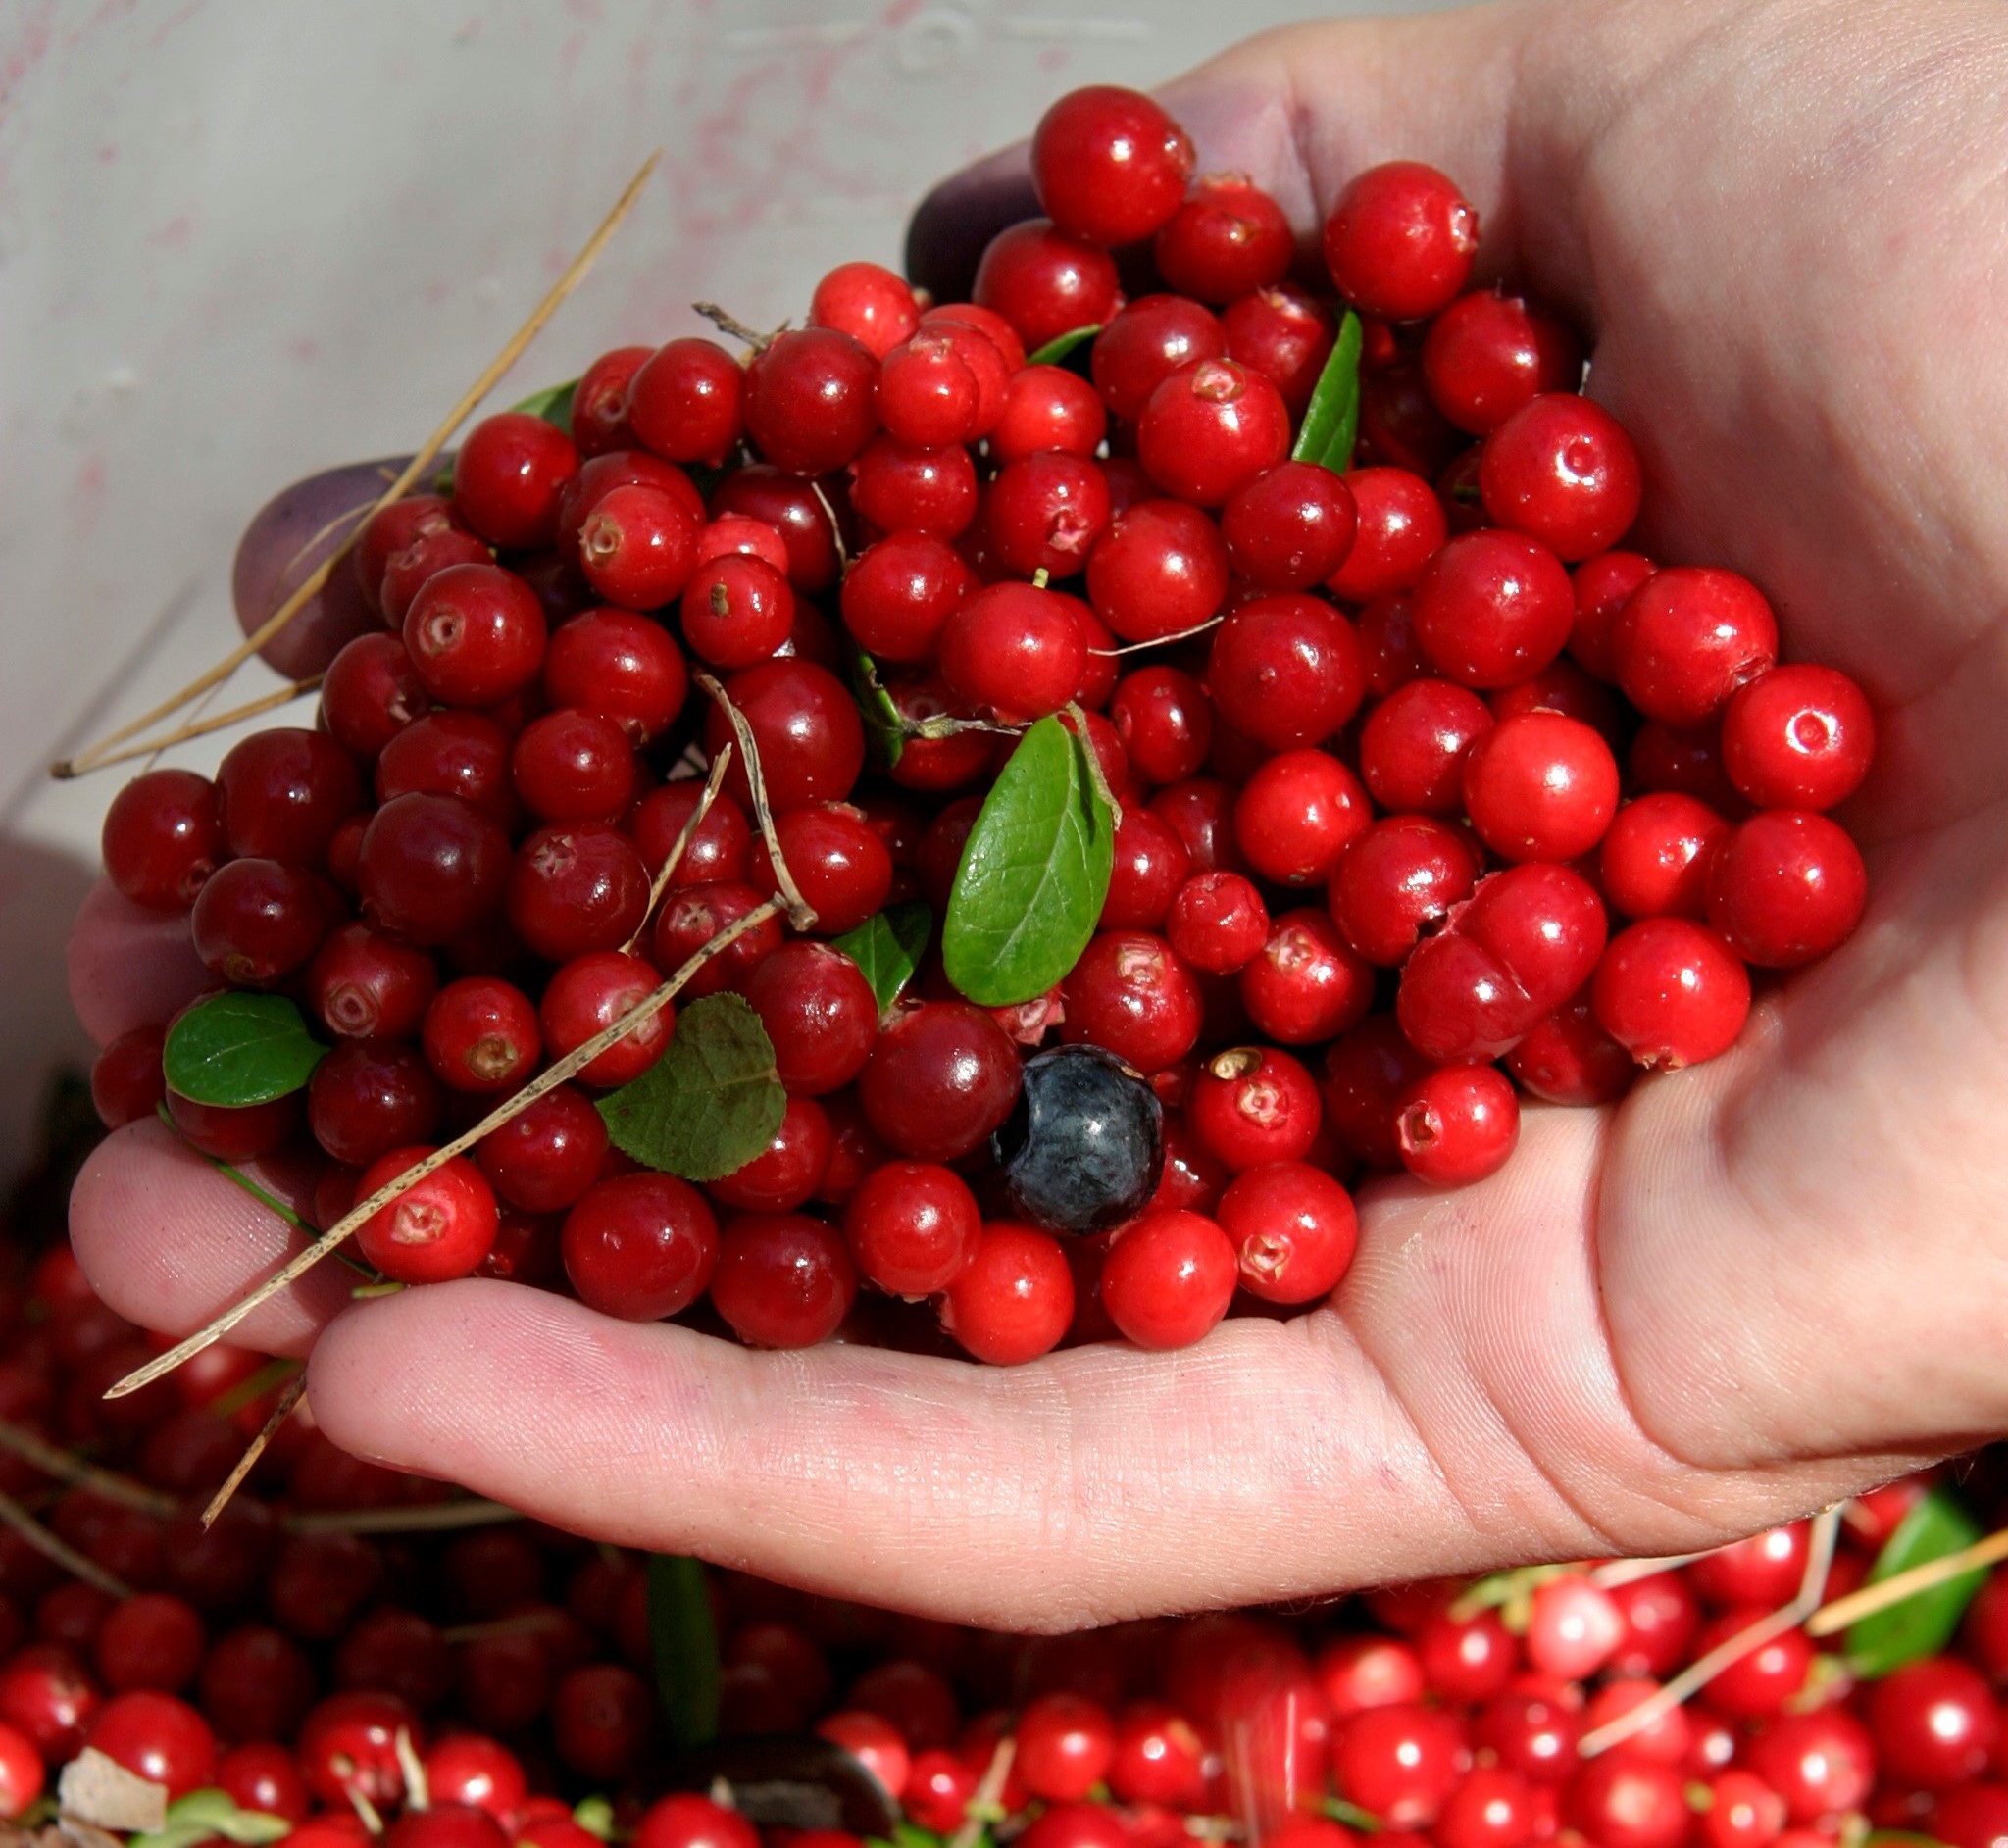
(888, 947)
(682, 1646)
(710, 1104)
(553, 404)
(884, 735)
(1331, 419)
(1034, 876)
(236, 1049)
(1924, 1623)
(1060, 344)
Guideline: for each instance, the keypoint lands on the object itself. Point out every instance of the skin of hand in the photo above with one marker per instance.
(1747, 1290)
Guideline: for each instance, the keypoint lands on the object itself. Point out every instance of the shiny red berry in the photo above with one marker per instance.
(1399, 241)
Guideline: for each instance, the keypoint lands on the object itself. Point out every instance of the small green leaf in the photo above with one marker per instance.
(203, 1814)
(1060, 344)
(1924, 1623)
(553, 404)
(1352, 1816)
(236, 1049)
(711, 1103)
(884, 735)
(1331, 419)
(595, 1815)
(1034, 873)
(683, 1644)
(888, 948)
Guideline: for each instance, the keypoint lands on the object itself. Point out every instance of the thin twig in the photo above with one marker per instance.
(987, 1805)
(1614, 1573)
(295, 1391)
(1697, 1676)
(53, 1459)
(542, 1085)
(425, 1518)
(801, 914)
(529, 1624)
(843, 554)
(684, 837)
(737, 329)
(77, 1565)
(215, 722)
(1160, 641)
(312, 585)
(1842, 1613)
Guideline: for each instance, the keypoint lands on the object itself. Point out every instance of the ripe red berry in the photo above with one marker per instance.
(1227, 239)
(255, 922)
(1014, 650)
(1297, 813)
(1797, 737)
(1291, 528)
(1252, 1104)
(1209, 428)
(599, 401)
(641, 1246)
(1399, 527)
(1786, 887)
(1307, 984)
(163, 837)
(1621, 1802)
(622, 666)
(783, 1279)
(157, 1737)
(1671, 992)
(867, 302)
(637, 545)
(1216, 921)
(476, 635)
(1415, 742)
(281, 794)
(1131, 995)
(125, 1080)
(1168, 1278)
(913, 1228)
(1399, 241)
(1493, 608)
(1285, 671)
(1144, 344)
(811, 400)
(687, 403)
(1014, 1299)
(1934, 1722)
(1562, 470)
(1489, 353)
(1109, 165)
(806, 728)
(941, 1078)
(1540, 786)
(1397, 881)
(899, 488)
(593, 992)
(1284, 336)
(1292, 1228)
(370, 693)
(575, 888)
(508, 476)
(690, 917)
(1044, 513)
(1046, 408)
(1065, 1745)
(546, 1156)
(21, 1772)
(1687, 638)
(1402, 1761)
(1160, 568)
(1045, 283)
(1568, 1058)
(480, 1035)
(369, 1097)
(1822, 1762)
(438, 1229)
(1457, 1124)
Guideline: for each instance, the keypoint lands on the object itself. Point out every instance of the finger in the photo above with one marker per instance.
(1457, 1410)
(168, 1241)
(129, 967)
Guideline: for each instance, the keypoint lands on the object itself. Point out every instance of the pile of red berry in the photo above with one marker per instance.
(332, 1659)
(1374, 728)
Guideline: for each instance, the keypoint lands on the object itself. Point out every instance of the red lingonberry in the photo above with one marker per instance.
(1399, 527)
(599, 401)
(1014, 649)
(1297, 813)
(1165, 722)
(255, 922)
(1798, 737)
(235, 1134)
(1045, 283)
(1687, 638)
(1292, 1228)
(1144, 344)
(1216, 921)
(1562, 687)
(1132, 995)
(1540, 786)
(1573, 1627)
(1285, 671)
(1227, 239)
(1532, 1732)
(1492, 1807)
(1415, 742)
(1823, 1762)
(900, 487)
(1671, 992)
(913, 1228)
(783, 1279)
(1291, 528)
(367, 1098)
(1150, 865)
(1488, 353)
(637, 545)
(438, 1229)
(1457, 1124)
(1109, 164)
(1399, 241)
(1251, 1105)
(788, 507)
(929, 393)
(593, 992)
(622, 666)
(940, 1078)
(810, 400)
(805, 726)
(157, 1737)
(151, 1640)
(407, 571)
(1307, 984)
(1619, 1801)
(689, 1821)
(1787, 886)
(163, 837)
(1562, 470)
(1044, 513)
(451, 754)
(1160, 568)
(1566, 1058)
(1046, 408)
(545, 1157)
(1168, 1278)
(1400, 1761)
(507, 479)
(1209, 428)
(1603, 585)
(1284, 336)
(899, 593)
(390, 530)
(1014, 1299)
(126, 1079)
(480, 1035)
(718, 847)
(281, 795)
(641, 1246)
(688, 402)
(476, 635)
(369, 694)
(737, 610)
(1758, 1682)
(691, 918)
(1396, 882)
(1065, 1745)
(1934, 1722)
(867, 302)
(574, 766)
(1493, 608)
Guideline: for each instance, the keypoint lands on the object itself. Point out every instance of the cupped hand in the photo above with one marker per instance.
(1746, 1290)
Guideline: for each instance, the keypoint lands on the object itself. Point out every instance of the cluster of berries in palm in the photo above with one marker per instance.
(1170, 753)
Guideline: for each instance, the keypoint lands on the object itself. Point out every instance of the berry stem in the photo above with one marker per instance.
(1160, 641)
(96, 755)
(731, 323)
(340, 1232)
(681, 845)
(77, 1565)
(801, 914)
(288, 1400)
(987, 1804)
(54, 1460)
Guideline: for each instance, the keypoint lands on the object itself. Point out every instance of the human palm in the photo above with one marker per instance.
(1747, 1289)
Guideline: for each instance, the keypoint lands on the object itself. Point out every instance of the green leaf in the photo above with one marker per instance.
(888, 948)
(1060, 344)
(683, 1644)
(884, 735)
(1352, 1816)
(1924, 1623)
(1331, 419)
(711, 1103)
(202, 1814)
(1034, 872)
(595, 1815)
(553, 404)
(236, 1049)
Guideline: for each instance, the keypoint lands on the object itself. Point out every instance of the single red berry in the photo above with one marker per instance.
(1150, 865)
(811, 400)
(1415, 744)
(1132, 995)
(1046, 408)
(1399, 527)
(737, 610)
(1286, 335)
(153, 1640)
(806, 728)
(255, 922)
(476, 635)
(1013, 649)
(913, 1228)
(641, 1246)
(1297, 813)
(637, 545)
(544, 1157)
(1493, 1807)
(1398, 880)
(1603, 585)
(480, 1035)
(1457, 1124)
(899, 593)
(867, 302)
(1252, 1104)
(241, 1134)
(1209, 428)
(901, 487)
(1160, 568)
(941, 1078)
(686, 402)
(1493, 608)
(1823, 1762)
(1972, 1815)
(1168, 1278)
(157, 1737)
(1078, 1825)
(1044, 513)
(1566, 1058)
(1671, 992)
(820, 1015)
(392, 529)
(1109, 165)
(1573, 1627)
(1798, 737)
(693, 915)
(1399, 241)
(125, 1080)
(574, 766)
(1285, 671)
(930, 387)
(369, 1097)
(1934, 1722)
(1144, 344)
(1045, 283)
(622, 666)
(1165, 721)
(1308, 985)
(1489, 353)
(508, 476)
(1619, 1802)
(1786, 887)
(370, 693)
(788, 507)
(438, 1229)
(1540, 786)
(1291, 528)
(593, 992)
(281, 795)
(599, 401)
(1065, 1743)
(1400, 1761)
(1292, 1228)
(409, 571)
(1014, 1299)
(782, 1281)
(451, 754)
(717, 849)
(1562, 470)
(163, 837)
(1227, 239)
(1687, 638)
(1216, 921)
(687, 1821)
(1758, 1682)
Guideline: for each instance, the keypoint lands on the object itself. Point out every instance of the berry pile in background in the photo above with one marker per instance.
(1189, 747)
(345, 1655)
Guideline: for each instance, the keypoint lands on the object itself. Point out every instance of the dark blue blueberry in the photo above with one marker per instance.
(1085, 1147)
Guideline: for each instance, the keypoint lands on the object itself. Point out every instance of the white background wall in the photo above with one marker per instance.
(242, 239)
